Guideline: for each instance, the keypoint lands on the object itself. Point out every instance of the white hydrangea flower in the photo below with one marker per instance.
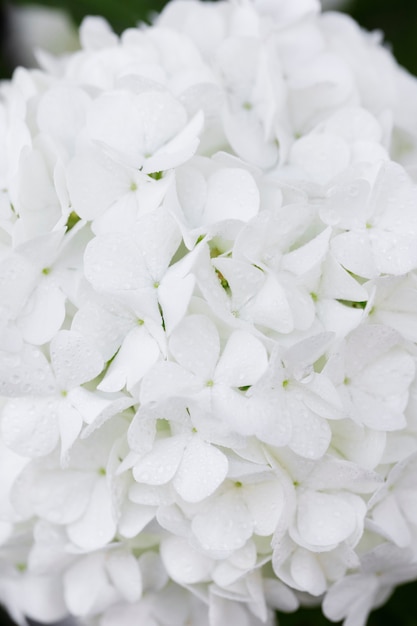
(208, 321)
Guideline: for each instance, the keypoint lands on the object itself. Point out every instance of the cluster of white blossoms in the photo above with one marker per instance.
(208, 321)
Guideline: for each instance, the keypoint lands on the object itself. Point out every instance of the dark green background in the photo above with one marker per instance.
(398, 20)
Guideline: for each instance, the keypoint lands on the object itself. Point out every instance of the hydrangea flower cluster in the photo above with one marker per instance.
(208, 307)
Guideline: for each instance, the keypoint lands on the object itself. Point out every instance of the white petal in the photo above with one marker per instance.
(138, 353)
(114, 120)
(61, 112)
(105, 327)
(26, 373)
(141, 433)
(243, 361)
(236, 412)
(303, 259)
(246, 135)
(245, 558)
(223, 612)
(279, 596)
(244, 279)
(324, 519)
(337, 318)
(344, 595)
(29, 426)
(231, 194)
(389, 375)
(195, 345)
(168, 380)
(96, 34)
(267, 427)
(151, 495)
(174, 294)
(333, 473)
(271, 308)
(79, 597)
(265, 502)
(43, 598)
(11, 465)
(358, 443)
(321, 396)
(18, 277)
(44, 314)
(307, 573)
(97, 526)
(179, 150)
(375, 412)
(394, 253)
(311, 434)
(159, 466)
(354, 123)
(157, 236)
(134, 519)
(202, 469)
(70, 424)
(74, 358)
(61, 497)
(338, 284)
(183, 563)
(125, 574)
(95, 182)
(226, 526)
(191, 191)
(321, 156)
(113, 262)
(135, 126)
(89, 404)
(353, 251)
(390, 520)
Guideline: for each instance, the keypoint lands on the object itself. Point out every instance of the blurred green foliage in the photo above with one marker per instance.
(120, 13)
